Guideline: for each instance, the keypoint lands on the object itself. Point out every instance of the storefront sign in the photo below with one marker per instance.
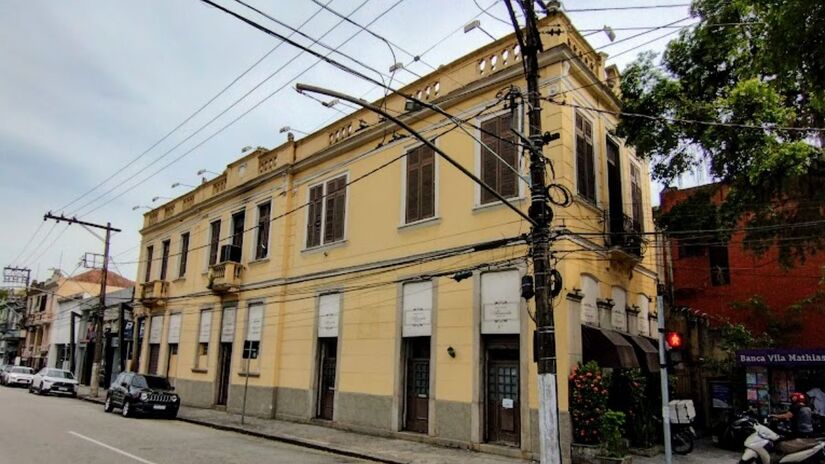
(781, 357)
(417, 303)
(155, 329)
(255, 322)
(206, 326)
(174, 329)
(228, 325)
(721, 394)
(500, 302)
(329, 311)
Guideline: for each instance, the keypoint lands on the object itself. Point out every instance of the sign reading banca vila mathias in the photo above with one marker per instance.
(781, 357)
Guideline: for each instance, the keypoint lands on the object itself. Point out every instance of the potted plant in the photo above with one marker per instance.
(613, 446)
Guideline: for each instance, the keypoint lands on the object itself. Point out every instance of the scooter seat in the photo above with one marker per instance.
(796, 445)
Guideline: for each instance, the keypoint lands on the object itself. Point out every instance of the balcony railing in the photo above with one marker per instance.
(625, 234)
(225, 277)
(154, 293)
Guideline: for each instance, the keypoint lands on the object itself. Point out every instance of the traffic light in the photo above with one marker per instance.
(674, 351)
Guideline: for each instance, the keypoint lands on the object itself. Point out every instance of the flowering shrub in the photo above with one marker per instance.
(588, 402)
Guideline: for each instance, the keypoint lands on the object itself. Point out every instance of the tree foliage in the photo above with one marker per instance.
(767, 72)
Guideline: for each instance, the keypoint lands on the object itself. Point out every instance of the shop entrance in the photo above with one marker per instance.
(328, 353)
(502, 385)
(417, 404)
(224, 369)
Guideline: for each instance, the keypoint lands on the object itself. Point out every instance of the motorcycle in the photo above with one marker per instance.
(682, 437)
(732, 432)
(763, 446)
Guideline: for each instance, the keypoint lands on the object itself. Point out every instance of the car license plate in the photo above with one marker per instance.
(159, 407)
(63, 389)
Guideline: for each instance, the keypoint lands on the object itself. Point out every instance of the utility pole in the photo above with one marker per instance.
(17, 275)
(95, 382)
(544, 338)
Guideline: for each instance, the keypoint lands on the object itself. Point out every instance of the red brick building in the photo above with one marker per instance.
(709, 277)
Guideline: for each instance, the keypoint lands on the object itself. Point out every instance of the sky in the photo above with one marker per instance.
(88, 88)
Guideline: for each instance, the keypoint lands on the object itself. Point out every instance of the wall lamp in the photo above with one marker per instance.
(476, 24)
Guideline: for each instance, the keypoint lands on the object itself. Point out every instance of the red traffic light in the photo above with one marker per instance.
(674, 340)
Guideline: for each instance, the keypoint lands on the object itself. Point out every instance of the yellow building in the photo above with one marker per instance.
(353, 277)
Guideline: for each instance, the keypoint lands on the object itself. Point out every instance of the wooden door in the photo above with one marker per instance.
(418, 385)
(224, 369)
(326, 384)
(502, 398)
(154, 358)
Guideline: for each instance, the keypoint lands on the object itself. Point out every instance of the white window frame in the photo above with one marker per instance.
(323, 183)
(522, 189)
(436, 192)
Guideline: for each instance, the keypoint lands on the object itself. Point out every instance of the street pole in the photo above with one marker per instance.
(95, 382)
(660, 316)
(121, 347)
(541, 213)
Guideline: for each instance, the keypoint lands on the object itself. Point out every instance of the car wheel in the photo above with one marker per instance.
(172, 415)
(107, 406)
(126, 410)
(31, 389)
(40, 390)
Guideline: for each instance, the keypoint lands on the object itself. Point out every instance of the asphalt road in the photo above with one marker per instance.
(51, 430)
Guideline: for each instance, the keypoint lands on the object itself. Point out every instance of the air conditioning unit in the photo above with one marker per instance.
(230, 253)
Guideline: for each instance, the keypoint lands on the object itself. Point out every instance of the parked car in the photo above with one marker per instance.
(5, 370)
(50, 380)
(142, 394)
(18, 376)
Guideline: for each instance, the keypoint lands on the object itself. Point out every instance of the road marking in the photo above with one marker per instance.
(111, 448)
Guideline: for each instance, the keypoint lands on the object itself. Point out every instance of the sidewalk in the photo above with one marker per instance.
(380, 449)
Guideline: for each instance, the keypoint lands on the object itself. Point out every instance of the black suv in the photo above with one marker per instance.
(142, 394)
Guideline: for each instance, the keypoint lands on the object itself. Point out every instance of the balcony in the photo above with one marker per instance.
(154, 293)
(225, 276)
(624, 240)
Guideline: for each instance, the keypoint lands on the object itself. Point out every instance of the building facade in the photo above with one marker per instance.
(43, 308)
(355, 278)
(713, 280)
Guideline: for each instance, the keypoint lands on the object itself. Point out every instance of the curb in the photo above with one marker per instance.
(304, 443)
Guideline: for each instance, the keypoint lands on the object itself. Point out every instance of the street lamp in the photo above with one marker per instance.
(204, 171)
(400, 66)
(154, 199)
(476, 24)
(135, 208)
(180, 184)
(289, 129)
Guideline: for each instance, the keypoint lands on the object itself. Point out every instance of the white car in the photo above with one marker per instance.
(18, 375)
(50, 380)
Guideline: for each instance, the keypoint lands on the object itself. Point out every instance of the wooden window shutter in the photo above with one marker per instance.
(413, 185)
(489, 163)
(427, 200)
(334, 210)
(508, 151)
(314, 217)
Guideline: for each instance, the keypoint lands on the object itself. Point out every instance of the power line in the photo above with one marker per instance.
(326, 194)
(689, 121)
(621, 8)
(190, 117)
(31, 239)
(255, 106)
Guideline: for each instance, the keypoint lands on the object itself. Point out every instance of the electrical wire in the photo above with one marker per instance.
(188, 118)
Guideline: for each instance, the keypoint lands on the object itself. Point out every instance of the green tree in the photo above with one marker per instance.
(746, 63)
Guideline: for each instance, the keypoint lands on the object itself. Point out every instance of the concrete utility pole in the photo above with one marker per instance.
(545, 335)
(95, 383)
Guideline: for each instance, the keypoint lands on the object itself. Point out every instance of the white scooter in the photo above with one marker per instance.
(759, 447)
